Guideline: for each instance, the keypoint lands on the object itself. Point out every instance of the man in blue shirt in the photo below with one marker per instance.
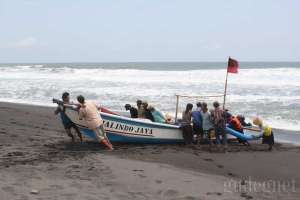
(68, 124)
(197, 125)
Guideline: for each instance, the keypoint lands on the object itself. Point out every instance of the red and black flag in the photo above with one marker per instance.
(233, 66)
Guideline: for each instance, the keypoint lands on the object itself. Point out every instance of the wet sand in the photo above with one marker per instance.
(38, 161)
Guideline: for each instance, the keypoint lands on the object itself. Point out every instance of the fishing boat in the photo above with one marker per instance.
(128, 130)
(124, 129)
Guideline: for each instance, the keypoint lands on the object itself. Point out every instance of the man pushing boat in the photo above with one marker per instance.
(90, 113)
(68, 124)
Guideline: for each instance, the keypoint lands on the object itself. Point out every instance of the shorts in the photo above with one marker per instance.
(220, 130)
(268, 139)
(207, 132)
(100, 132)
(69, 125)
(197, 130)
(187, 133)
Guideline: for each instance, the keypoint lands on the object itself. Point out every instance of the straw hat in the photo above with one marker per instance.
(168, 117)
(257, 121)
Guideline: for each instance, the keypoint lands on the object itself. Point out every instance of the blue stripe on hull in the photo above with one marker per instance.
(130, 139)
(131, 121)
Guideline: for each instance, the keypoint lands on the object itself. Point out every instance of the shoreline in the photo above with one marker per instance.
(283, 136)
(37, 154)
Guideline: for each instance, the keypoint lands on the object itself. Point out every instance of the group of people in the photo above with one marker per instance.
(87, 111)
(202, 122)
(145, 111)
(199, 122)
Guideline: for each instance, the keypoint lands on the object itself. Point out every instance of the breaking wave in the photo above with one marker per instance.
(272, 93)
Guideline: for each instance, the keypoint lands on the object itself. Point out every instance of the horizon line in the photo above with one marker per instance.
(91, 62)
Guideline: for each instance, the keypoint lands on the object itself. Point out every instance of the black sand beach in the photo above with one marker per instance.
(38, 161)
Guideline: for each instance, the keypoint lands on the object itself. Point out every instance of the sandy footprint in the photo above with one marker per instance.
(142, 176)
(188, 198)
(208, 159)
(170, 193)
(8, 189)
(220, 166)
(214, 193)
(230, 174)
(138, 170)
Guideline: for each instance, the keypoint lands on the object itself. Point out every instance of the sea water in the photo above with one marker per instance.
(265, 89)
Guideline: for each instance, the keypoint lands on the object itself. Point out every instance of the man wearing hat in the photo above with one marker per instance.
(133, 111)
(267, 133)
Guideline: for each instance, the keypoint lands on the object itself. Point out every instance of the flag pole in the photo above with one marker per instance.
(177, 105)
(232, 67)
(225, 90)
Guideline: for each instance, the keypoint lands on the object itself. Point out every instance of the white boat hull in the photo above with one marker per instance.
(128, 130)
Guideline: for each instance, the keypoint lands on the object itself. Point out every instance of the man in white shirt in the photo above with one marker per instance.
(90, 113)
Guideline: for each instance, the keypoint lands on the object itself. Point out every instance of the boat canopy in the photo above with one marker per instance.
(200, 97)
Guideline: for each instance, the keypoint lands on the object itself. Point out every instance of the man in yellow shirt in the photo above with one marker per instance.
(90, 113)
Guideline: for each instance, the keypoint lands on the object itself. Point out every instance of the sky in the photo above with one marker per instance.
(149, 30)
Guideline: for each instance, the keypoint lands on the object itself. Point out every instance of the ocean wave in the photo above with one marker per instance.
(266, 92)
(153, 66)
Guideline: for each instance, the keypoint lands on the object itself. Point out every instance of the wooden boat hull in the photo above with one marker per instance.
(128, 130)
